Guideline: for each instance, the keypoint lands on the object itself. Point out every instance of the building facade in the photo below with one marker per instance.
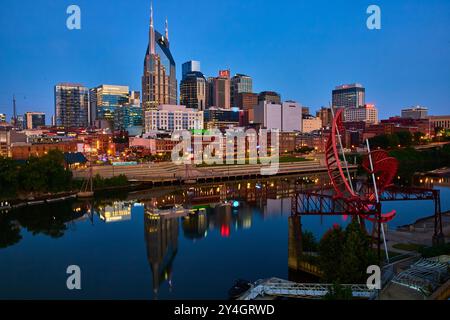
(310, 124)
(270, 97)
(240, 83)
(5, 139)
(193, 90)
(34, 120)
(71, 105)
(367, 113)
(286, 117)
(440, 122)
(172, 118)
(220, 118)
(159, 83)
(416, 113)
(190, 66)
(291, 116)
(130, 118)
(349, 96)
(105, 100)
(2, 117)
(326, 115)
(221, 90)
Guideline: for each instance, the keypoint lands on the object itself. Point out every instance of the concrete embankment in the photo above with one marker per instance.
(167, 172)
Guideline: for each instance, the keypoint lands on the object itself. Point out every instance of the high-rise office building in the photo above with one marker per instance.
(220, 118)
(246, 101)
(209, 92)
(349, 96)
(34, 120)
(129, 117)
(105, 100)
(415, 113)
(193, 90)
(221, 90)
(240, 83)
(71, 105)
(286, 117)
(269, 97)
(326, 115)
(159, 83)
(5, 139)
(189, 67)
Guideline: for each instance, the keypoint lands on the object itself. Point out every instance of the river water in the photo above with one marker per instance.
(126, 251)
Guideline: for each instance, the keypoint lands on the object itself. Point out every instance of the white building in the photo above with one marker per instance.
(311, 124)
(291, 115)
(367, 113)
(286, 117)
(268, 115)
(173, 118)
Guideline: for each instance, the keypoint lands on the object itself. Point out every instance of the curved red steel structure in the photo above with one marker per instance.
(384, 168)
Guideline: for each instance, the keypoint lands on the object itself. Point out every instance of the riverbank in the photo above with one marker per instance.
(419, 234)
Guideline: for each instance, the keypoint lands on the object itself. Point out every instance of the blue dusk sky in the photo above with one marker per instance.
(300, 48)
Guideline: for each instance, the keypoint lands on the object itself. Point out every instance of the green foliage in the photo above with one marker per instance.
(412, 160)
(357, 254)
(8, 177)
(304, 150)
(309, 242)
(330, 254)
(117, 181)
(391, 141)
(345, 256)
(435, 251)
(36, 175)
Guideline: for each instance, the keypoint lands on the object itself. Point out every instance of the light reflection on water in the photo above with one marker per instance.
(236, 230)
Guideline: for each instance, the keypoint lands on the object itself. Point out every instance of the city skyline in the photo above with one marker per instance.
(305, 82)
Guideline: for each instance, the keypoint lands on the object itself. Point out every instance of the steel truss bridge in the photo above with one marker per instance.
(324, 202)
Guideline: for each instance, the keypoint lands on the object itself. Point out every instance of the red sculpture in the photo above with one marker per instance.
(384, 169)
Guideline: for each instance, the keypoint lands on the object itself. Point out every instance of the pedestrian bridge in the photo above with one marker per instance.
(281, 288)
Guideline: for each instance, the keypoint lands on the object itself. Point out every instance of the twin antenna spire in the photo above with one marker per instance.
(152, 31)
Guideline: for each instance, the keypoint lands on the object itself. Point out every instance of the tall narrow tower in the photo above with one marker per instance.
(14, 119)
(167, 31)
(151, 38)
(159, 83)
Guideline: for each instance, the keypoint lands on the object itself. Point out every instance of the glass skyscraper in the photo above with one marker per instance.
(159, 83)
(189, 67)
(240, 83)
(105, 100)
(193, 91)
(71, 105)
(349, 96)
(129, 117)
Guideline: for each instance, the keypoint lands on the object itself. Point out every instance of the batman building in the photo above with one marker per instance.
(159, 83)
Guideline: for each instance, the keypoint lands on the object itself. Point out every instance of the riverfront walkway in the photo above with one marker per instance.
(168, 172)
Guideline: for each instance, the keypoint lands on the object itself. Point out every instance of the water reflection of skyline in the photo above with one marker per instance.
(224, 211)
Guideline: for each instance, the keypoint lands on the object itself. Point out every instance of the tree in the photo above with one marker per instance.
(418, 137)
(8, 177)
(309, 242)
(405, 138)
(330, 254)
(357, 254)
(381, 141)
